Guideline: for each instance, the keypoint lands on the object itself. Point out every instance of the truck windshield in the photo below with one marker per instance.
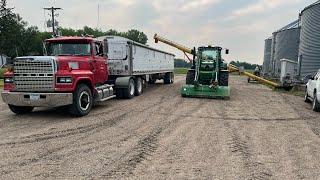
(68, 49)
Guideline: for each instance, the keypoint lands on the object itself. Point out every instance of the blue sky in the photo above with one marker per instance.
(240, 25)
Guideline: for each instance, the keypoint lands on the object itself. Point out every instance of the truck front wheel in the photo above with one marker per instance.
(82, 101)
(20, 109)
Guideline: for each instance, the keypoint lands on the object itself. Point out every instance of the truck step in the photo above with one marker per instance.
(105, 99)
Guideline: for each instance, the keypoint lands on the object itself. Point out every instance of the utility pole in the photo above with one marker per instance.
(53, 9)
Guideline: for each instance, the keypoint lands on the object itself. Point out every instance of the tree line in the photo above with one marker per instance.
(180, 63)
(246, 65)
(17, 38)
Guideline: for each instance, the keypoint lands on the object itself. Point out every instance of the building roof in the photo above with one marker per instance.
(311, 5)
(293, 25)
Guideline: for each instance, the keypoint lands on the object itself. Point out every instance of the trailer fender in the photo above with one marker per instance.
(122, 82)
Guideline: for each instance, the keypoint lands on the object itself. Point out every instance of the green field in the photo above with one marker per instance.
(180, 70)
(1, 82)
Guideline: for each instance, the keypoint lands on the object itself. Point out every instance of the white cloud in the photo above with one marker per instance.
(195, 4)
(262, 6)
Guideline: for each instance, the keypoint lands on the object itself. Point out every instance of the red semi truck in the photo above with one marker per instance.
(78, 71)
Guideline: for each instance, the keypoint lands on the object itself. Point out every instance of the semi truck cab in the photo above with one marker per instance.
(75, 73)
(72, 73)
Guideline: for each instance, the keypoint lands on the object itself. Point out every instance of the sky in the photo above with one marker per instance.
(241, 26)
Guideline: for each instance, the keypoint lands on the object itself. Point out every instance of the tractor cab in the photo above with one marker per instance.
(208, 64)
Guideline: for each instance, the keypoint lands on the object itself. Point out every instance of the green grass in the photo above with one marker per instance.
(1, 82)
(181, 70)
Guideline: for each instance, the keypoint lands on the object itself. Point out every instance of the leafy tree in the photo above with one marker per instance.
(11, 31)
(132, 34)
(17, 39)
(136, 35)
(180, 63)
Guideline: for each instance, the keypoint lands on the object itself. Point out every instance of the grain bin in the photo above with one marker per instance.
(267, 57)
(285, 46)
(309, 49)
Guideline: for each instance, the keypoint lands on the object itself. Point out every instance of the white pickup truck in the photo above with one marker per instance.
(312, 93)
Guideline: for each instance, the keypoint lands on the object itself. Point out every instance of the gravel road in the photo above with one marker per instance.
(257, 134)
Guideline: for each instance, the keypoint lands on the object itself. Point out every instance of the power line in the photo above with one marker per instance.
(53, 9)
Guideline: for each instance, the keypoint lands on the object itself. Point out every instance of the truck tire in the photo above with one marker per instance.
(129, 92)
(82, 101)
(168, 78)
(224, 78)
(315, 104)
(307, 97)
(190, 77)
(138, 88)
(20, 109)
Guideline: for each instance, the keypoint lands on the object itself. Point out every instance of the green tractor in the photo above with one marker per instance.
(209, 75)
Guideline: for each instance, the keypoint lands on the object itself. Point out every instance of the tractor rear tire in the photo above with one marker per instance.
(224, 78)
(190, 77)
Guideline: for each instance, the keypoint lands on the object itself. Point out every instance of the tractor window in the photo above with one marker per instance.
(209, 55)
(208, 60)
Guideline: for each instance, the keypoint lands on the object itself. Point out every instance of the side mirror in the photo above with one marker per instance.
(227, 51)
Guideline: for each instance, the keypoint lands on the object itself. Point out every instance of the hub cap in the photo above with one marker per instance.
(131, 86)
(139, 85)
(84, 100)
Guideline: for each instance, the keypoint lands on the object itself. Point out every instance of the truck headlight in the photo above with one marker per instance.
(64, 80)
(8, 80)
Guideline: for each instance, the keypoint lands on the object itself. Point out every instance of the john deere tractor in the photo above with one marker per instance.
(208, 76)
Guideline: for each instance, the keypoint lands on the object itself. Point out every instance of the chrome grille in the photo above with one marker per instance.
(34, 75)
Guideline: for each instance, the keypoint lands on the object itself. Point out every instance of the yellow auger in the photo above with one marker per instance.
(233, 68)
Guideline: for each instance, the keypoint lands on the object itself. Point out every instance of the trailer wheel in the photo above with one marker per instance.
(224, 78)
(129, 92)
(82, 101)
(138, 88)
(20, 109)
(168, 78)
(152, 81)
(119, 93)
(315, 104)
(190, 77)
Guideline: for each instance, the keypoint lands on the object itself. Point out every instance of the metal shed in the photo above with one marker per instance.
(267, 57)
(309, 49)
(286, 47)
